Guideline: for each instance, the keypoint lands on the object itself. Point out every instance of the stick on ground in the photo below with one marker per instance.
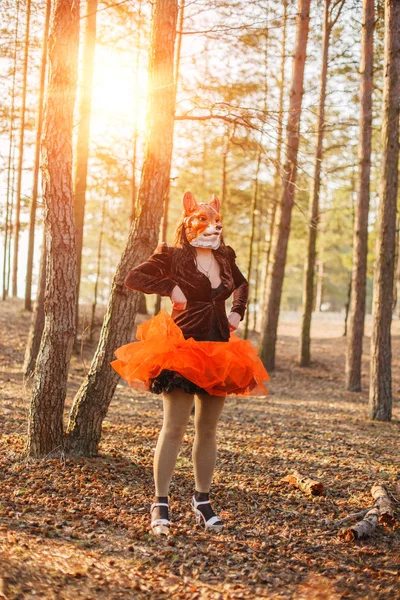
(305, 484)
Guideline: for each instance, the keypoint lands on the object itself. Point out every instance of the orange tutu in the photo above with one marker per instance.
(220, 368)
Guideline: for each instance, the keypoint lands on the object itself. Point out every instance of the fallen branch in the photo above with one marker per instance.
(382, 512)
(305, 484)
(351, 517)
(363, 528)
(383, 503)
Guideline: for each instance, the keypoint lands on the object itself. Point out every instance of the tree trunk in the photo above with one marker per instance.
(280, 241)
(92, 400)
(82, 148)
(45, 431)
(254, 202)
(320, 285)
(380, 393)
(360, 236)
(96, 284)
(347, 305)
(308, 291)
(17, 227)
(135, 116)
(37, 320)
(32, 216)
(10, 188)
(177, 61)
(396, 284)
(253, 212)
(278, 166)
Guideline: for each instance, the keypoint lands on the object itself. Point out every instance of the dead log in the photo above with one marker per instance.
(362, 529)
(305, 484)
(383, 503)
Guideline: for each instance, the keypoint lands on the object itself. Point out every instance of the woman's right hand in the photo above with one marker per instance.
(178, 298)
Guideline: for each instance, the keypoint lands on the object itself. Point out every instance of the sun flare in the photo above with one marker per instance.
(116, 96)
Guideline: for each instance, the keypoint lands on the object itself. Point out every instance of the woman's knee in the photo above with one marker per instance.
(206, 431)
(173, 432)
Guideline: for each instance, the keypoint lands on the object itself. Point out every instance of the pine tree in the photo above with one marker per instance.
(95, 394)
(380, 392)
(45, 426)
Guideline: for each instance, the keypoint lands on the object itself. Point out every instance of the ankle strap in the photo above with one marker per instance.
(158, 504)
(202, 502)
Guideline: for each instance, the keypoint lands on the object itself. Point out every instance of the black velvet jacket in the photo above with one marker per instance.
(156, 276)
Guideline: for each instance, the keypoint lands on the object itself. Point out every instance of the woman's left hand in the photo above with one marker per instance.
(234, 320)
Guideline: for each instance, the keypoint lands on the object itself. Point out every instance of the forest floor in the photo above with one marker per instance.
(78, 528)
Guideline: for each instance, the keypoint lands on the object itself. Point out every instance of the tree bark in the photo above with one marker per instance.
(17, 227)
(82, 148)
(360, 236)
(280, 241)
(308, 291)
(45, 427)
(380, 393)
(32, 216)
(396, 284)
(92, 400)
(37, 321)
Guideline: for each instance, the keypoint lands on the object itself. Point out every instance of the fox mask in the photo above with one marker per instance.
(202, 222)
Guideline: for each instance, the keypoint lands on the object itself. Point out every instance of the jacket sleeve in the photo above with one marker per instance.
(241, 291)
(153, 275)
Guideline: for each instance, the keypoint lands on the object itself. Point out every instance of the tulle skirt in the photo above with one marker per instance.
(163, 358)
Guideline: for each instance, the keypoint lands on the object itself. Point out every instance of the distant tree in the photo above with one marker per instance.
(280, 241)
(278, 160)
(95, 394)
(45, 426)
(380, 392)
(39, 126)
(330, 18)
(37, 320)
(360, 236)
(17, 225)
(10, 187)
(82, 149)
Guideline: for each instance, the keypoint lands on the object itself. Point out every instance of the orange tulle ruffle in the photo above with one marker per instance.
(220, 368)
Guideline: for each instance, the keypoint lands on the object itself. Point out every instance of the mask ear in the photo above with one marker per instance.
(215, 203)
(189, 203)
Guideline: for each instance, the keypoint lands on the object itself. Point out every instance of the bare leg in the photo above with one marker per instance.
(177, 408)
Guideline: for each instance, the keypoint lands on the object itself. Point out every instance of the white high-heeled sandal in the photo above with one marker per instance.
(160, 526)
(213, 522)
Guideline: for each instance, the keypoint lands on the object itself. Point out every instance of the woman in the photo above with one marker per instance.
(191, 352)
